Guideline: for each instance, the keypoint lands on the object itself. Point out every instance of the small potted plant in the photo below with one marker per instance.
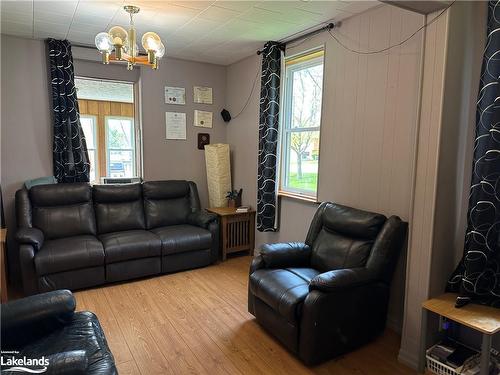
(234, 198)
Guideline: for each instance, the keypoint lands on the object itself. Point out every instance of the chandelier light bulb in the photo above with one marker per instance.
(128, 50)
(118, 35)
(151, 41)
(103, 42)
(160, 51)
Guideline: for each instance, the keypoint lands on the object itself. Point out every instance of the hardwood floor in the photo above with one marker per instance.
(196, 322)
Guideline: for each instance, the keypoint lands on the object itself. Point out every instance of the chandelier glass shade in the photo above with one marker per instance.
(120, 45)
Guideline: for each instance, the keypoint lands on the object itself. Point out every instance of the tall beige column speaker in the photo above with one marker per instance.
(218, 173)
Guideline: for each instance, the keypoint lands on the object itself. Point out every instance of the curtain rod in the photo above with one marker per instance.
(328, 27)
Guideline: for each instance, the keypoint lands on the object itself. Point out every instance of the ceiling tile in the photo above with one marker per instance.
(86, 27)
(239, 6)
(199, 5)
(17, 17)
(46, 16)
(66, 8)
(16, 6)
(216, 13)
(48, 27)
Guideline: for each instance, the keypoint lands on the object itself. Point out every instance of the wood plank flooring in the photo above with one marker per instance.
(196, 322)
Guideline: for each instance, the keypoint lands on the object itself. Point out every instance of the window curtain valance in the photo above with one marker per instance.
(71, 161)
(267, 188)
(477, 277)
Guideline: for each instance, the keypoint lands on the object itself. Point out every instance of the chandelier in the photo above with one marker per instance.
(120, 45)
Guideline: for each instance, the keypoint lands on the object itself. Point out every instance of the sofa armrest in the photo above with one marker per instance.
(342, 279)
(48, 309)
(73, 362)
(201, 219)
(280, 255)
(30, 236)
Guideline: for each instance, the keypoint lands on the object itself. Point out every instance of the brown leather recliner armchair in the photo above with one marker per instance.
(328, 295)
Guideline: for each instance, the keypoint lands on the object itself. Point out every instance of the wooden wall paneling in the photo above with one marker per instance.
(369, 112)
(422, 219)
(115, 109)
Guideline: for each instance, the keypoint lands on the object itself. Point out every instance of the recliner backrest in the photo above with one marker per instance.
(63, 210)
(169, 202)
(342, 237)
(118, 207)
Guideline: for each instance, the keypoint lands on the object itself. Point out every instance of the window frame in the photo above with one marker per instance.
(96, 144)
(291, 64)
(133, 142)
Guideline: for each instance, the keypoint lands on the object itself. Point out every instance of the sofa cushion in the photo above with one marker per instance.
(69, 253)
(166, 203)
(118, 207)
(181, 238)
(284, 290)
(131, 244)
(63, 210)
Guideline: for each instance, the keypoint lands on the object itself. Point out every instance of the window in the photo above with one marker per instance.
(89, 130)
(301, 120)
(120, 146)
(107, 113)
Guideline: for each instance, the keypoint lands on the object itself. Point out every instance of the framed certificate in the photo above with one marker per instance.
(175, 125)
(202, 95)
(175, 95)
(202, 119)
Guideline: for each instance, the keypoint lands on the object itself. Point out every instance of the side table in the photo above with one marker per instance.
(237, 230)
(483, 319)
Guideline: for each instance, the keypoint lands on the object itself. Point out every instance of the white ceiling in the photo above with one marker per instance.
(216, 31)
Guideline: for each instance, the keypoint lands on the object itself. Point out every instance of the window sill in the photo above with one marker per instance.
(300, 197)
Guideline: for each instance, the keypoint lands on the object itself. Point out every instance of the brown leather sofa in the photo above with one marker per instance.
(73, 236)
(328, 295)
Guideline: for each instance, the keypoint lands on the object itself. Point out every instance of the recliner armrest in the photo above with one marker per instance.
(342, 279)
(201, 218)
(74, 362)
(30, 236)
(280, 255)
(48, 309)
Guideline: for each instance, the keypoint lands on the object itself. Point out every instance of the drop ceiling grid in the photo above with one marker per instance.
(214, 31)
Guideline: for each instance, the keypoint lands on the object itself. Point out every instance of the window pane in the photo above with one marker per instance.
(306, 90)
(88, 131)
(121, 163)
(302, 166)
(92, 165)
(120, 133)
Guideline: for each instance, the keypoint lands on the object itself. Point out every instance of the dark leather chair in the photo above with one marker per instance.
(328, 295)
(46, 325)
(74, 236)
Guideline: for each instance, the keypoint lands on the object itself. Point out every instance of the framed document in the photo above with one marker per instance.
(175, 125)
(202, 95)
(202, 119)
(175, 95)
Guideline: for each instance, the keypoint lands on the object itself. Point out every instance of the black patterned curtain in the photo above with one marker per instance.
(71, 161)
(267, 189)
(477, 277)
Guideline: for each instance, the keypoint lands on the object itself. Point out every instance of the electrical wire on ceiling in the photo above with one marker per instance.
(329, 30)
(394, 45)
